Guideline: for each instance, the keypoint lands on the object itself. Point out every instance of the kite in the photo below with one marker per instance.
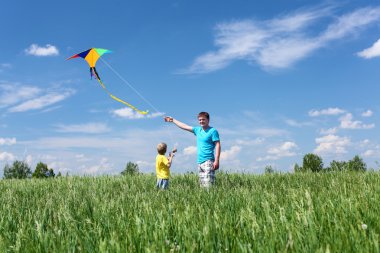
(91, 56)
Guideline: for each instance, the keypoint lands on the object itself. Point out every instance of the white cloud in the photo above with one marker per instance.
(14, 93)
(29, 160)
(128, 113)
(295, 123)
(328, 131)
(7, 141)
(191, 150)
(280, 42)
(104, 166)
(42, 101)
(230, 154)
(90, 128)
(332, 144)
(36, 50)
(147, 167)
(351, 23)
(283, 150)
(369, 153)
(367, 113)
(347, 122)
(286, 149)
(5, 156)
(328, 111)
(364, 143)
(373, 51)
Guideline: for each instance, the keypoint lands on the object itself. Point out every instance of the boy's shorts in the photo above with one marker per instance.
(206, 173)
(162, 183)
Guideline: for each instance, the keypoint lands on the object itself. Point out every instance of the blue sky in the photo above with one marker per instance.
(279, 79)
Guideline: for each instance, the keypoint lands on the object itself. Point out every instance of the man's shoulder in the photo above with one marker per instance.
(196, 129)
(213, 130)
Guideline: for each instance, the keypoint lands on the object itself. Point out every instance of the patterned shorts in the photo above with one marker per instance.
(162, 183)
(206, 173)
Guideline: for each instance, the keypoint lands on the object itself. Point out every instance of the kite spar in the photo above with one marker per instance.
(91, 56)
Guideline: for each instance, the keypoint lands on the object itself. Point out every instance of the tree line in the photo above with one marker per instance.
(310, 163)
(314, 163)
(21, 170)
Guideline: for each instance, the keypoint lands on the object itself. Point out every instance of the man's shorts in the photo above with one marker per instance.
(206, 173)
(162, 183)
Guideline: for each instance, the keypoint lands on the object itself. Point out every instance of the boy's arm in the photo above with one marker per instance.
(170, 159)
(179, 123)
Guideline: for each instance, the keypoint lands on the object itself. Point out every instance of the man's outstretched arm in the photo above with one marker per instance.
(179, 123)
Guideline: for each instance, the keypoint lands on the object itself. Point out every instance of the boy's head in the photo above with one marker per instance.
(161, 148)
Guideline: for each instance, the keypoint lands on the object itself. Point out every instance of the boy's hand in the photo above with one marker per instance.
(174, 150)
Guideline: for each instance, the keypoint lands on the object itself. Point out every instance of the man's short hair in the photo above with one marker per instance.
(204, 114)
(161, 148)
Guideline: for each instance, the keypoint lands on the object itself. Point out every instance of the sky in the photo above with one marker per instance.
(280, 79)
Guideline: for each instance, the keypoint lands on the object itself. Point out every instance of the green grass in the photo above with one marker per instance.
(243, 213)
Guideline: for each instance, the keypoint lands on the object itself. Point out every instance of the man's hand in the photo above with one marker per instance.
(216, 165)
(168, 119)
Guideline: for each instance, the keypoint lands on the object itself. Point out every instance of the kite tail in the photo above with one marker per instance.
(94, 72)
(118, 99)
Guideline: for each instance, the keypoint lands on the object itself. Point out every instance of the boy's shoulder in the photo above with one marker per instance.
(159, 157)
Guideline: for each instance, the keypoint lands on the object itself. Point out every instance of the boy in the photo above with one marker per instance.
(162, 166)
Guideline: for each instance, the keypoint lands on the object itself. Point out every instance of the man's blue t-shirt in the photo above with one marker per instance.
(206, 143)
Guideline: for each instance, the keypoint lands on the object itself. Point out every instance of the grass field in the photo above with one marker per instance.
(320, 212)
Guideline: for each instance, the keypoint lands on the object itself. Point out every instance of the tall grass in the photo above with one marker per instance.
(330, 212)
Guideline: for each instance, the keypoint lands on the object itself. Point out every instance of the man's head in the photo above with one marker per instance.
(161, 148)
(203, 119)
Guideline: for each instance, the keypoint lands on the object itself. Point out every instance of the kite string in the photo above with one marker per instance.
(175, 144)
(129, 85)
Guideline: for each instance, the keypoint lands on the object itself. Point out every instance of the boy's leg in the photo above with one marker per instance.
(206, 174)
(162, 183)
(165, 183)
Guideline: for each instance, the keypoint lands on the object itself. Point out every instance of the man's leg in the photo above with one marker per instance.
(206, 174)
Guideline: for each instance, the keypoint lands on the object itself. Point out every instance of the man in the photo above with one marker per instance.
(208, 141)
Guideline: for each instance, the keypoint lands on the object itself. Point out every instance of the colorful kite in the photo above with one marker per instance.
(91, 56)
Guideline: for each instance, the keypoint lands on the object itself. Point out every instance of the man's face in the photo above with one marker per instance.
(203, 121)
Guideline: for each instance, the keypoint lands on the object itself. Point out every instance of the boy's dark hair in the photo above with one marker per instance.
(204, 114)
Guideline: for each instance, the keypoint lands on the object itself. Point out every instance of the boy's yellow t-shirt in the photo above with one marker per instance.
(162, 168)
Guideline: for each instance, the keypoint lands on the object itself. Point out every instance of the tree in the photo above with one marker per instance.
(297, 168)
(19, 169)
(338, 166)
(130, 169)
(269, 169)
(312, 162)
(357, 164)
(42, 171)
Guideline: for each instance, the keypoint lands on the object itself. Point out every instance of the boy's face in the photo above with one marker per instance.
(203, 121)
